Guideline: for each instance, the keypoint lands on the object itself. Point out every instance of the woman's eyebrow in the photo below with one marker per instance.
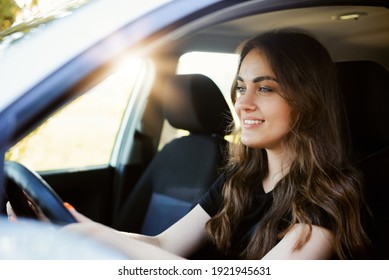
(258, 79)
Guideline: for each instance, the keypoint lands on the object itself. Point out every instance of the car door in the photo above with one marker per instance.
(84, 179)
(73, 149)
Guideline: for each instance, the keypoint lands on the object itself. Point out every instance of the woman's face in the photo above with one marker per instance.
(265, 116)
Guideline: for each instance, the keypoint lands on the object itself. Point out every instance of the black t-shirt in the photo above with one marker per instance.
(211, 202)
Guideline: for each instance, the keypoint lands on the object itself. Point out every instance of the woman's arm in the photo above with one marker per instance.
(317, 247)
(179, 241)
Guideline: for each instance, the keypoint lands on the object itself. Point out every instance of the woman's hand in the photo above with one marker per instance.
(91, 229)
(135, 246)
(37, 211)
(87, 226)
(10, 212)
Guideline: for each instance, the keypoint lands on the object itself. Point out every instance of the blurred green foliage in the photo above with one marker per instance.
(8, 13)
(21, 19)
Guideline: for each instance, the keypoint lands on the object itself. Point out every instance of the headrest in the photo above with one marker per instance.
(195, 103)
(365, 85)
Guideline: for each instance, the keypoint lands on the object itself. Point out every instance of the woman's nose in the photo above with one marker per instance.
(246, 102)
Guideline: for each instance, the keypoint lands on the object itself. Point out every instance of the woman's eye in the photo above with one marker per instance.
(240, 91)
(265, 89)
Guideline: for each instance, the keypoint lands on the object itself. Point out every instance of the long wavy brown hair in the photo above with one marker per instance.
(320, 179)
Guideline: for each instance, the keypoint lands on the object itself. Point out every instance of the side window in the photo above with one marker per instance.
(220, 67)
(82, 133)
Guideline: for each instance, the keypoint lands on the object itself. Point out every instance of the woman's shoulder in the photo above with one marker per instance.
(211, 201)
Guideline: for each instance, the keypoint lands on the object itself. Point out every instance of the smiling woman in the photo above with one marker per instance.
(290, 170)
(258, 88)
(288, 190)
(313, 191)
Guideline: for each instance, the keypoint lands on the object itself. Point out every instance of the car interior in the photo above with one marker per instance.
(180, 173)
(366, 111)
(148, 188)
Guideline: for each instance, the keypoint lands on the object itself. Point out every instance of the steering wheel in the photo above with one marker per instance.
(29, 194)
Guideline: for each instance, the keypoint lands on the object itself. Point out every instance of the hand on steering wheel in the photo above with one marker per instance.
(31, 196)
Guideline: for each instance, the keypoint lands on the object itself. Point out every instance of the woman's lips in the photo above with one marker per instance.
(252, 123)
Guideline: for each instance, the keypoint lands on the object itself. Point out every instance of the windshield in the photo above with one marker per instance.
(20, 17)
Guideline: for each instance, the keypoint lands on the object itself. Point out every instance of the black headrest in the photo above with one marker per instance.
(365, 85)
(195, 103)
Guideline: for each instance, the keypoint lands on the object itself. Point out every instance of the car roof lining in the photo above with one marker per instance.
(366, 35)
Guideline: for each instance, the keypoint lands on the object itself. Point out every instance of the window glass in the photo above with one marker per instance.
(21, 17)
(220, 67)
(83, 132)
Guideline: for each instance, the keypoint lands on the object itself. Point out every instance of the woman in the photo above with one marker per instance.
(286, 96)
(288, 191)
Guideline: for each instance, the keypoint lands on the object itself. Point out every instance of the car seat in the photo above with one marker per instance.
(365, 85)
(186, 167)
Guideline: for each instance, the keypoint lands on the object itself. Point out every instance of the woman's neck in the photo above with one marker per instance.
(278, 167)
